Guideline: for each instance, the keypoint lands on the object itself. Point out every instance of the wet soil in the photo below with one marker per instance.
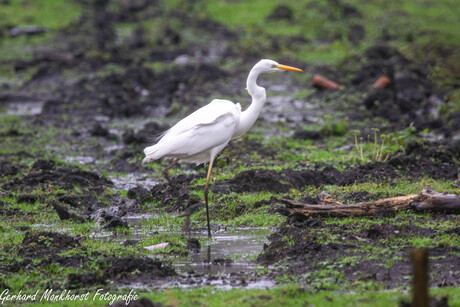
(45, 243)
(46, 172)
(432, 160)
(214, 264)
(435, 161)
(204, 266)
(302, 247)
(410, 99)
(107, 101)
(123, 271)
(48, 245)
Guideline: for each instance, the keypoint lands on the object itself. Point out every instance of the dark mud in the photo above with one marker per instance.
(7, 210)
(409, 95)
(123, 271)
(424, 159)
(8, 169)
(48, 245)
(141, 302)
(41, 244)
(301, 247)
(410, 99)
(129, 89)
(419, 159)
(48, 177)
(241, 150)
(47, 173)
(100, 269)
(138, 91)
(104, 96)
(176, 197)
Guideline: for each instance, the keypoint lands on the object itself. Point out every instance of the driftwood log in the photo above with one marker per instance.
(427, 200)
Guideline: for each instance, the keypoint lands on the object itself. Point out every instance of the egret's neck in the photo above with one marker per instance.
(250, 115)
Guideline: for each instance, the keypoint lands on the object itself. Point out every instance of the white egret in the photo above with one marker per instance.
(199, 137)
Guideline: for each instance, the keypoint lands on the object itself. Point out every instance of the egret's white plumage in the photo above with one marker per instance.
(203, 134)
(200, 136)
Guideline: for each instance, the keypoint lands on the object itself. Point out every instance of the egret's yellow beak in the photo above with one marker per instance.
(285, 67)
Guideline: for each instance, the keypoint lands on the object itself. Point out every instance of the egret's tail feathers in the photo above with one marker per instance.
(151, 153)
(150, 150)
(146, 160)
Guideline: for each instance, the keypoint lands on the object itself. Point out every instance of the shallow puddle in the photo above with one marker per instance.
(83, 160)
(228, 252)
(132, 180)
(22, 108)
(224, 262)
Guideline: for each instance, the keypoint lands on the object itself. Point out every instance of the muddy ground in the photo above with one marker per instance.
(299, 242)
(101, 104)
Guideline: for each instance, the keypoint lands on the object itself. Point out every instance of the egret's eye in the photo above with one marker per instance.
(274, 66)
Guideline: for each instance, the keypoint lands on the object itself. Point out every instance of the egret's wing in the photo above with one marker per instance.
(206, 128)
(204, 115)
(204, 137)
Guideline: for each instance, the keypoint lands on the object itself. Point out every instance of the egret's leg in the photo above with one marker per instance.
(166, 170)
(206, 187)
(186, 226)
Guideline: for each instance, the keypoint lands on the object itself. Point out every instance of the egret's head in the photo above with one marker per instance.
(272, 66)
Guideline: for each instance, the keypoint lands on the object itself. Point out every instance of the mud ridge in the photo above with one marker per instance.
(46, 172)
(437, 164)
(41, 244)
(122, 271)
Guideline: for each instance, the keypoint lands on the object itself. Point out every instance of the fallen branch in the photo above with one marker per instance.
(430, 200)
(427, 200)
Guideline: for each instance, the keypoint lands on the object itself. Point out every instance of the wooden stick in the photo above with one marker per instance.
(419, 259)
